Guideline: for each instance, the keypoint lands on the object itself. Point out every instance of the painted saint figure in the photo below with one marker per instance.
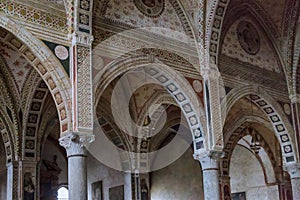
(28, 186)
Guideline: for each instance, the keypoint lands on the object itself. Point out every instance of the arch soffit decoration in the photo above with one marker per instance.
(9, 142)
(274, 113)
(9, 126)
(32, 119)
(43, 60)
(186, 100)
(107, 124)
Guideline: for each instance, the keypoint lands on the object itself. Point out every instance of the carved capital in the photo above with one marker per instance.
(209, 159)
(82, 38)
(293, 98)
(76, 144)
(294, 170)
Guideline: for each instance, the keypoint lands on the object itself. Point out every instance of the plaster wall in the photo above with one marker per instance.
(180, 180)
(96, 171)
(247, 176)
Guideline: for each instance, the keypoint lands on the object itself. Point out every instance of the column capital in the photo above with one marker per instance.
(209, 159)
(293, 170)
(76, 144)
(293, 98)
(82, 38)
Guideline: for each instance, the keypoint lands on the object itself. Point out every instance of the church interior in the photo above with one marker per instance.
(150, 99)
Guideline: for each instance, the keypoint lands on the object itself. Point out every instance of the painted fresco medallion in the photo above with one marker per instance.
(197, 85)
(248, 37)
(61, 52)
(150, 8)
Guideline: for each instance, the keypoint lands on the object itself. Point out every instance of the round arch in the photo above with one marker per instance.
(175, 85)
(274, 113)
(178, 88)
(46, 64)
(238, 132)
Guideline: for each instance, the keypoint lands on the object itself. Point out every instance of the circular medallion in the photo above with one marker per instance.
(248, 37)
(287, 109)
(197, 85)
(150, 8)
(98, 62)
(61, 52)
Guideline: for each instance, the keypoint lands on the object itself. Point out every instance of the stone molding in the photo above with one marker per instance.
(294, 170)
(75, 144)
(82, 38)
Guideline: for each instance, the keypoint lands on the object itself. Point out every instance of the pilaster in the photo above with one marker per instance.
(81, 78)
(212, 89)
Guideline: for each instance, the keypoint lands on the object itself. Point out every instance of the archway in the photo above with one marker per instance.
(160, 74)
(273, 112)
(44, 62)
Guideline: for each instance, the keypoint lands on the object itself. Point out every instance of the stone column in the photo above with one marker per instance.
(210, 167)
(75, 146)
(127, 186)
(294, 171)
(12, 181)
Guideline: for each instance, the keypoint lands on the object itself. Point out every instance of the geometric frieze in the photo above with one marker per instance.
(34, 15)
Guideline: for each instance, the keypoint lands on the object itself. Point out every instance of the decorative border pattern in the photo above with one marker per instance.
(33, 15)
(7, 142)
(33, 121)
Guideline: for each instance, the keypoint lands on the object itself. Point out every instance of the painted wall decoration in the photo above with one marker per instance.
(29, 186)
(116, 193)
(151, 8)
(97, 190)
(248, 37)
(144, 190)
(246, 42)
(61, 52)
